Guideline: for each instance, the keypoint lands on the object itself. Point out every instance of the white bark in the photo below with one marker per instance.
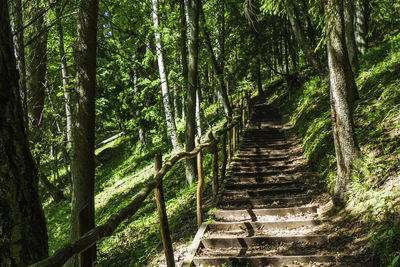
(198, 118)
(164, 82)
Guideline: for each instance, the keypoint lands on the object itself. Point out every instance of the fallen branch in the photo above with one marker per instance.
(108, 140)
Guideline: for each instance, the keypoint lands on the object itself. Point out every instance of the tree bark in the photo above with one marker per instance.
(350, 35)
(64, 73)
(198, 112)
(361, 28)
(193, 7)
(316, 64)
(37, 58)
(23, 234)
(341, 83)
(217, 68)
(83, 162)
(164, 82)
(18, 31)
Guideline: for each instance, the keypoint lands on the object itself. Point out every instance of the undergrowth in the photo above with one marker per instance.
(122, 170)
(374, 192)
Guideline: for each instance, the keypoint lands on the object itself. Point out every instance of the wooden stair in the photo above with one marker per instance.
(265, 216)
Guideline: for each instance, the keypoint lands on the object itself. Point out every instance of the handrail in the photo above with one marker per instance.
(91, 237)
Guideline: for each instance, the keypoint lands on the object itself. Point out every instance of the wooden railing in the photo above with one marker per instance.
(230, 142)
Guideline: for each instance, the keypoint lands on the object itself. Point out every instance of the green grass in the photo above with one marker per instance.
(121, 171)
(375, 190)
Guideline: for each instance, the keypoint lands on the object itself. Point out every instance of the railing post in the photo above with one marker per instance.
(162, 215)
(243, 118)
(234, 139)
(200, 185)
(224, 155)
(229, 146)
(214, 150)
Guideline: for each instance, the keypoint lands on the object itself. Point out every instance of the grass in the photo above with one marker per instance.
(374, 193)
(121, 171)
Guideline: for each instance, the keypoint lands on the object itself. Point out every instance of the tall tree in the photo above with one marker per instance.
(298, 31)
(83, 163)
(23, 234)
(64, 73)
(216, 66)
(164, 81)
(18, 38)
(350, 35)
(193, 7)
(36, 68)
(361, 17)
(341, 87)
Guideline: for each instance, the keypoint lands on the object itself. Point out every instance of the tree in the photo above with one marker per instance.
(217, 67)
(341, 87)
(361, 17)
(83, 163)
(350, 36)
(300, 36)
(164, 81)
(64, 73)
(19, 46)
(36, 70)
(193, 7)
(23, 234)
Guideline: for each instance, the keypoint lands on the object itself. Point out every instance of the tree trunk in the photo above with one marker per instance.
(18, 30)
(23, 234)
(141, 132)
(64, 73)
(164, 82)
(258, 76)
(341, 86)
(305, 46)
(220, 54)
(217, 68)
(37, 71)
(198, 112)
(350, 36)
(361, 27)
(83, 162)
(193, 7)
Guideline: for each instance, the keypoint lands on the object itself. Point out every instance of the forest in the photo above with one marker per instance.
(200, 132)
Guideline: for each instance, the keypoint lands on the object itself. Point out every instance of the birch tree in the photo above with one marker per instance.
(164, 82)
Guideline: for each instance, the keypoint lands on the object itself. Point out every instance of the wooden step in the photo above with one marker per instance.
(236, 226)
(258, 186)
(245, 242)
(262, 193)
(262, 173)
(261, 180)
(257, 203)
(255, 213)
(264, 261)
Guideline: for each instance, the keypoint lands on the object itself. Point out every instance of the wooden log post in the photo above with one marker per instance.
(224, 155)
(214, 150)
(200, 185)
(162, 215)
(234, 139)
(229, 132)
(244, 118)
